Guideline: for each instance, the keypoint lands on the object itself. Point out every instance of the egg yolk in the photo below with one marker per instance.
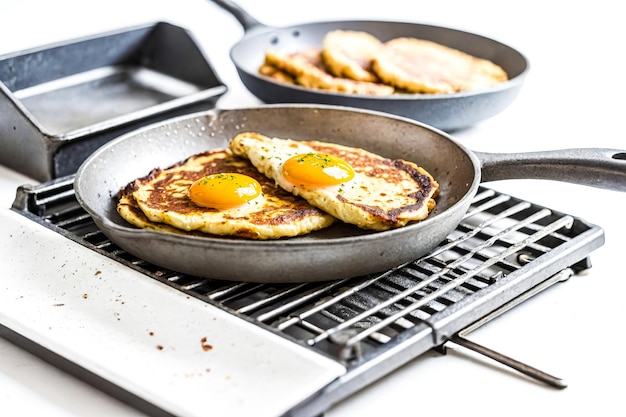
(224, 190)
(317, 169)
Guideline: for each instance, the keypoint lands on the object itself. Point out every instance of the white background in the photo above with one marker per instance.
(572, 97)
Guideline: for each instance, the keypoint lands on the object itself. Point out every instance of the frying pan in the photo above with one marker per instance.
(337, 252)
(448, 112)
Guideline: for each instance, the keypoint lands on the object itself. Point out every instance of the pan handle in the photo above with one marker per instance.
(247, 21)
(595, 167)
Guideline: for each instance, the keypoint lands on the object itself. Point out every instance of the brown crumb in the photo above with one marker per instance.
(205, 346)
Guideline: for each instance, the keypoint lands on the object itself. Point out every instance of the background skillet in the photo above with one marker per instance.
(444, 111)
(338, 252)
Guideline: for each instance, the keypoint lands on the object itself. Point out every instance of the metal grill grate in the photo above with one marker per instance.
(503, 250)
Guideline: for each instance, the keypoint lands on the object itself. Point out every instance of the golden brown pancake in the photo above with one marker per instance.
(276, 74)
(129, 210)
(349, 54)
(383, 194)
(308, 70)
(420, 66)
(357, 62)
(163, 198)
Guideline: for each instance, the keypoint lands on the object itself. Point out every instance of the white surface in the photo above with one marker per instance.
(164, 347)
(571, 98)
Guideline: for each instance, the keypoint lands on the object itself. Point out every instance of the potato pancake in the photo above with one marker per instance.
(128, 208)
(307, 69)
(163, 196)
(349, 54)
(354, 185)
(420, 66)
(357, 62)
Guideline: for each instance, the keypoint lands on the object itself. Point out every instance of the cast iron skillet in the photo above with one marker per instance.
(340, 251)
(444, 111)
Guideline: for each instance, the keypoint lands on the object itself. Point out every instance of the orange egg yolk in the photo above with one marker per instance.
(224, 190)
(317, 169)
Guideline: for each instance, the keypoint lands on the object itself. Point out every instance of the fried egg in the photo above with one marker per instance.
(351, 184)
(218, 193)
(226, 190)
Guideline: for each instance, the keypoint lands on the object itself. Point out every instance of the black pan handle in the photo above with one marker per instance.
(247, 21)
(595, 167)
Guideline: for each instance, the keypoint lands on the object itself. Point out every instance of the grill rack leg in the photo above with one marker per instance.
(510, 362)
(461, 340)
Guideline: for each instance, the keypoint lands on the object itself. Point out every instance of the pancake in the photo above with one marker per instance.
(421, 66)
(128, 208)
(276, 74)
(307, 69)
(373, 192)
(349, 54)
(163, 198)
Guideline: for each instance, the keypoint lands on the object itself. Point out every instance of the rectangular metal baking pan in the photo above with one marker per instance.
(60, 102)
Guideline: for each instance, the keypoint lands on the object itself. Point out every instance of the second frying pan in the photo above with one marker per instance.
(448, 112)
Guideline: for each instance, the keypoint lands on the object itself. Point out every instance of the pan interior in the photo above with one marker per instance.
(134, 155)
(248, 54)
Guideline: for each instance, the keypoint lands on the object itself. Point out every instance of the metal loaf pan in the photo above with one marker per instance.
(60, 102)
